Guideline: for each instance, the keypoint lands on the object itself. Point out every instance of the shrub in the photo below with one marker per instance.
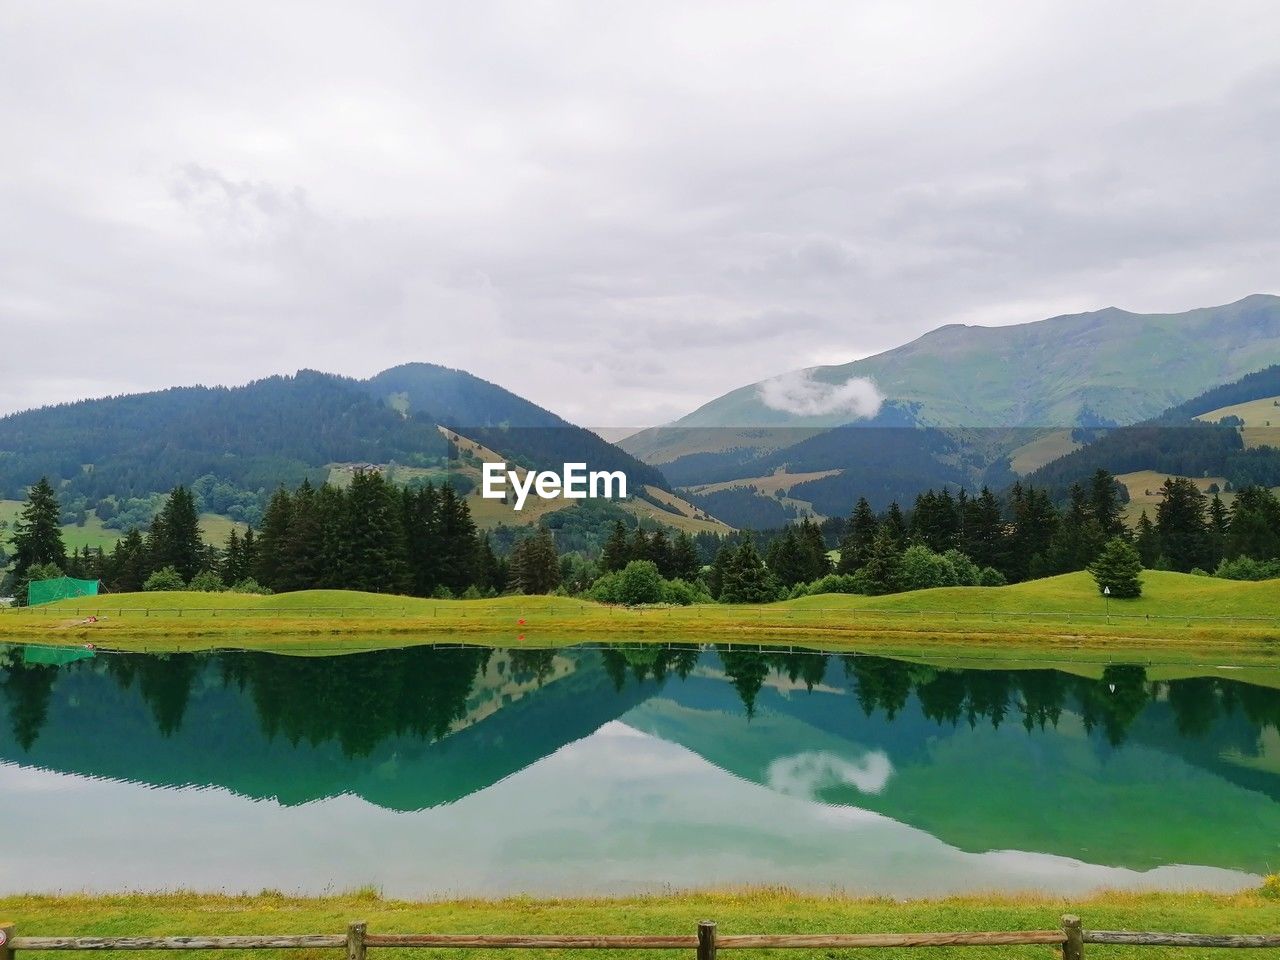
(991, 577)
(1247, 568)
(682, 593)
(1271, 886)
(166, 578)
(922, 568)
(207, 581)
(250, 585)
(966, 571)
(442, 593)
(472, 593)
(833, 583)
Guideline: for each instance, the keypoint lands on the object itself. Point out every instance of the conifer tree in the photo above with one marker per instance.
(882, 572)
(37, 537)
(535, 567)
(616, 550)
(747, 579)
(895, 524)
(376, 555)
(684, 558)
(273, 540)
(175, 539)
(1104, 503)
(1180, 522)
(1117, 570)
(1147, 542)
(719, 571)
(859, 535)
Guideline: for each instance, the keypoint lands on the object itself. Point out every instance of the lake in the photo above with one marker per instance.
(611, 769)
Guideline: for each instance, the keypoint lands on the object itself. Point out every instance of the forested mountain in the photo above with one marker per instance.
(1177, 443)
(502, 421)
(283, 430)
(272, 431)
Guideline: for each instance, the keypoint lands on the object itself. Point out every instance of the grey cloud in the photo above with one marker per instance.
(619, 212)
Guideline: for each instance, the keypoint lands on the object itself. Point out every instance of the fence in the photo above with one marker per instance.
(1071, 937)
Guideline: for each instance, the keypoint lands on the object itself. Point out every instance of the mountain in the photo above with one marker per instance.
(281, 430)
(502, 421)
(1106, 366)
(962, 406)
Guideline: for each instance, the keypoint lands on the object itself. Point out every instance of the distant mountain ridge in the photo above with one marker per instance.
(1101, 367)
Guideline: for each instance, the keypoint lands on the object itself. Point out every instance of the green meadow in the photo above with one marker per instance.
(1178, 617)
(735, 912)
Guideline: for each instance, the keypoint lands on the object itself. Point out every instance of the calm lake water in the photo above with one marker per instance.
(431, 770)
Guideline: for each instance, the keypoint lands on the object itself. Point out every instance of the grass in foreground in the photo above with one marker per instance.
(750, 911)
(1179, 617)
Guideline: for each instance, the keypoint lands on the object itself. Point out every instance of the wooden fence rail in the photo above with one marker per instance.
(1072, 938)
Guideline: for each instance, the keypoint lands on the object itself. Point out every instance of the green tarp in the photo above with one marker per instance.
(60, 588)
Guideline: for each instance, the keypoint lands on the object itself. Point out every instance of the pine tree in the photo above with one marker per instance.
(719, 571)
(1104, 503)
(660, 552)
(882, 572)
(859, 535)
(1180, 522)
(685, 564)
(268, 565)
(616, 550)
(175, 539)
(37, 537)
(535, 567)
(1117, 570)
(1147, 542)
(376, 555)
(894, 523)
(299, 553)
(747, 579)
(129, 563)
(233, 568)
(812, 549)
(458, 541)
(984, 534)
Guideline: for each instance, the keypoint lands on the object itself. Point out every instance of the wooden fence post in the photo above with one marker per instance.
(6, 938)
(706, 940)
(1073, 946)
(355, 941)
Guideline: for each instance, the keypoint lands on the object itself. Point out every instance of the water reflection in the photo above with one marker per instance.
(1113, 766)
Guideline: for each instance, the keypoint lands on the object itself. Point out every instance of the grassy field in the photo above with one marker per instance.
(215, 528)
(1035, 454)
(1144, 492)
(748, 911)
(1261, 420)
(1179, 619)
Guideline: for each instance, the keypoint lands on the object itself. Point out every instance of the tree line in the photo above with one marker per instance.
(423, 691)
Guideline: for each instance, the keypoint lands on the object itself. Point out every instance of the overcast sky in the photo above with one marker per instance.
(619, 210)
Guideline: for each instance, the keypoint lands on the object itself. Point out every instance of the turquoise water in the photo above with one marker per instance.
(431, 770)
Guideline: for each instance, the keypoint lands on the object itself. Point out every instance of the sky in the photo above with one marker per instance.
(619, 211)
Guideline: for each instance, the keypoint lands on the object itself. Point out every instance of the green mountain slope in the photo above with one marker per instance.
(1107, 366)
(283, 429)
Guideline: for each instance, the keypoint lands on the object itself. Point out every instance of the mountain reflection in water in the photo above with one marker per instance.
(602, 769)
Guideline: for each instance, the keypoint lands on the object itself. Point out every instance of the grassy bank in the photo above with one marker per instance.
(1178, 617)
(760, 911)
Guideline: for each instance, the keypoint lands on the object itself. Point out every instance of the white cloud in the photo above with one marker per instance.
(800, 394)
(807, 774)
